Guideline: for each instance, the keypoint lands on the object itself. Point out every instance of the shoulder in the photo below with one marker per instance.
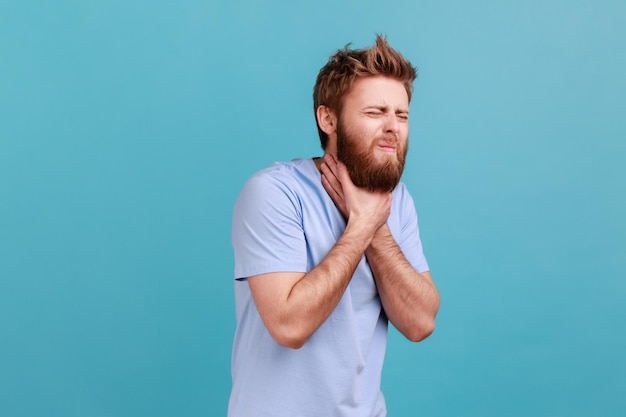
(281, 173)
(279, 182)
(403, 206)
(401, 196)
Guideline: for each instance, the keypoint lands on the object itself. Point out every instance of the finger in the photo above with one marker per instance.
(341, 171)
(330, 176)
(333, 183)
(335, 195)
(331, 158)
(332, 192)
(333, 187)
(331, 161)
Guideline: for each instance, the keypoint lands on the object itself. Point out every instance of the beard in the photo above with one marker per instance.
(362, 166)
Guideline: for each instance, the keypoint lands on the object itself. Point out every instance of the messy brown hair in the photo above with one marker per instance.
(336, 78)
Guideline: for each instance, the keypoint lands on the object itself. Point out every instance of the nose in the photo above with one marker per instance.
(392, 124)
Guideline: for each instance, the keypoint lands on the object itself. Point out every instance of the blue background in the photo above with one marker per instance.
(128, 127)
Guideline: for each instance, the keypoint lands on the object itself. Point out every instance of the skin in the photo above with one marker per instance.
(294, 305)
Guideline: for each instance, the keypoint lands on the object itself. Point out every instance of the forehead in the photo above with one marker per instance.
(377, 91)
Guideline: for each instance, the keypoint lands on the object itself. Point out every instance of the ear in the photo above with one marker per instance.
(326, 120)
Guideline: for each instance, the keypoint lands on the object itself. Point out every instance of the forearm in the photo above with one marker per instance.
(294, 318)
(409, 298)
(293, 306)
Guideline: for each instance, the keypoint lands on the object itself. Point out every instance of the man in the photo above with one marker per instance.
(327, 250)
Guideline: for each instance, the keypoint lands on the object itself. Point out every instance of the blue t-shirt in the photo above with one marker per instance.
(284, 221)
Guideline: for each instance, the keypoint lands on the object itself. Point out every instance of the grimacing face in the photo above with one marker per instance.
(372, 133)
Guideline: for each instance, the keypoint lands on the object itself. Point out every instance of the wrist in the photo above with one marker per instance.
(381, 239)
(361, 232)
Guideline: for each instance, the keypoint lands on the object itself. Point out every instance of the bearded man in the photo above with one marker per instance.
(327, 252)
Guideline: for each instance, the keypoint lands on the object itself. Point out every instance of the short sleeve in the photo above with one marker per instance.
(410, 242)
(267, 233)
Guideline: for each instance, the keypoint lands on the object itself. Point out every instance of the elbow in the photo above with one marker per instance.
(421, 331)
(290, 342)
(288, 337)
(424, 325)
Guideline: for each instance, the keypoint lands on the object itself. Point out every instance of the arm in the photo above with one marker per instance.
(293, 305)
(409, 298)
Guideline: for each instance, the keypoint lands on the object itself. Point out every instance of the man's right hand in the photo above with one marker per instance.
(370, 209)
(294, 304)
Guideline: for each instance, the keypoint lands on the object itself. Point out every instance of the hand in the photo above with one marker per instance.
(331, 183)
(354, 203)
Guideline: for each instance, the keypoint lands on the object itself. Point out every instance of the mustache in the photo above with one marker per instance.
(389, 138)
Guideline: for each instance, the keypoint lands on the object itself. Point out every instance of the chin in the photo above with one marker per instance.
(386, 158)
